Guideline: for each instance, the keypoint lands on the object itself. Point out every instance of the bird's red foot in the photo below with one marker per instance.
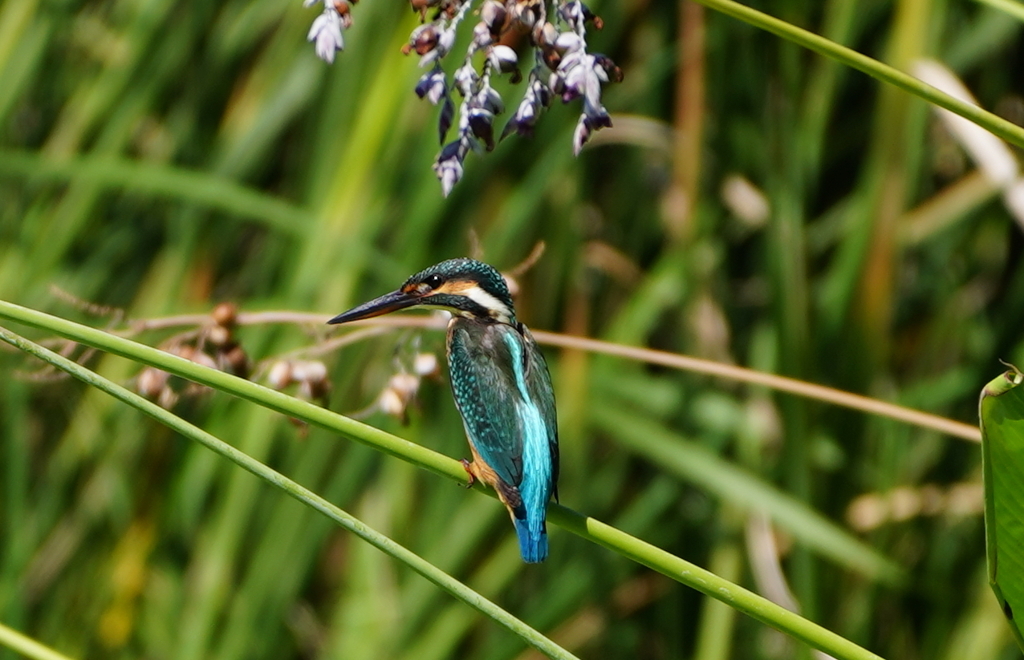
(469, 470)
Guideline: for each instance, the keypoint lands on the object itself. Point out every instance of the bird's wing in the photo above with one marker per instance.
(538, 383)
(480, 361)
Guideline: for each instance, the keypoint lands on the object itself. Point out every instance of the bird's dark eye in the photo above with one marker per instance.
(434, 281)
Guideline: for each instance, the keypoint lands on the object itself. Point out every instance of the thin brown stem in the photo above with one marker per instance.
(650, 356)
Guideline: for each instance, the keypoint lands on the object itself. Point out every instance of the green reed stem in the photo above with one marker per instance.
(601, 533)
(27, 646)
(300, 493)
(993, 123)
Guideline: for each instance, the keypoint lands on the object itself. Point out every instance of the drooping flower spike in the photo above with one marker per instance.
(562, 67)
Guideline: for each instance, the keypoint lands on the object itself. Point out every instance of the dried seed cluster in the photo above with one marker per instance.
(562, 67)
(213, 346)
(403, 386)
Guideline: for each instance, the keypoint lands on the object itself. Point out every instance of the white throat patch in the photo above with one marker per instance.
(495, 307)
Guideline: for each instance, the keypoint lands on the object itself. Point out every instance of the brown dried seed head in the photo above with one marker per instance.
(151, 381)
(236, 360)
(425, 41)
(167, 398)
(318, 389)
(225, 314)
(421, 6)
(201, 358)
(552, 58)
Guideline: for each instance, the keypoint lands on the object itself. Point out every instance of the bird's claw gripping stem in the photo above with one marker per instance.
(468, 466)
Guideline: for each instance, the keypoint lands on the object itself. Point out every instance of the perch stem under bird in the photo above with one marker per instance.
(501, 386)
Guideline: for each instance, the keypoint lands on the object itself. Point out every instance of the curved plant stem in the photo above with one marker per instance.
(780, 383)
(649, 355)
(300, 493)
(708, 583)
(655, 558)
(27, 646)
(997, 125)
(1009, 6)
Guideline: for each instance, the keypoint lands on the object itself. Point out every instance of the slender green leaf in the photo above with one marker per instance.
(1011, 7)
(644, 553)
(1002, 446)
(27, 646)
(300, 493)
(994, 123)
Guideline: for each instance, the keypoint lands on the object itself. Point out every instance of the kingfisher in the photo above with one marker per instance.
(501, 386)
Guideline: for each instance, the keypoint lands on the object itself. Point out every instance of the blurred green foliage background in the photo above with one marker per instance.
(160, 157)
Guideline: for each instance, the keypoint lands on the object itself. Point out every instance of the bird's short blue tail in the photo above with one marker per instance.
(533, 540)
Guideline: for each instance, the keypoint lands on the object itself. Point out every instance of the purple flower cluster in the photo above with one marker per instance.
(563, 68)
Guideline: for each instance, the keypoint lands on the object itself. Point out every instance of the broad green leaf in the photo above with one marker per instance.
(1002, 447)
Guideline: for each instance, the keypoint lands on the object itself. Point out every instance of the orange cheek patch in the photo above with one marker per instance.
(418, 289)
(455, 286)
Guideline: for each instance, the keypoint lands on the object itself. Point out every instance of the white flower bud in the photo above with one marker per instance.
(280, 375)
(391, 403)
(482, 36)
(326, 32)
(493, 14)
(568, 42)
(503, 58)
(167, 398)
(405, 385)
(548, 34)
(425, 364)
(308, 371)
(218, 335)
(445, 42)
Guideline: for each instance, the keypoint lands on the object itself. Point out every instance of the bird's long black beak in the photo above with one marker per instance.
(387, 303)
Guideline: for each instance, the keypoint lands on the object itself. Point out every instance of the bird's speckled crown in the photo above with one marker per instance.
(485, 275)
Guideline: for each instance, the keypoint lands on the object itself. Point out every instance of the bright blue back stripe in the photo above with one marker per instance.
(535, 488)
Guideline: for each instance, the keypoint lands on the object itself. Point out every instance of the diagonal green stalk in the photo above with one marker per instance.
(993, 123)
(1011, 7)
(596, 531)
(27, 646)
(300, 493)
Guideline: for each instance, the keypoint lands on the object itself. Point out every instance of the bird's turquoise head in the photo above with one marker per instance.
(465, 287)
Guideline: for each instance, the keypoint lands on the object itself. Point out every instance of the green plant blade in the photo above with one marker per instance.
(987, 120)
(1002, 449)
(593, 530)
(293, 489)
(1011, 7)
(27, 646)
